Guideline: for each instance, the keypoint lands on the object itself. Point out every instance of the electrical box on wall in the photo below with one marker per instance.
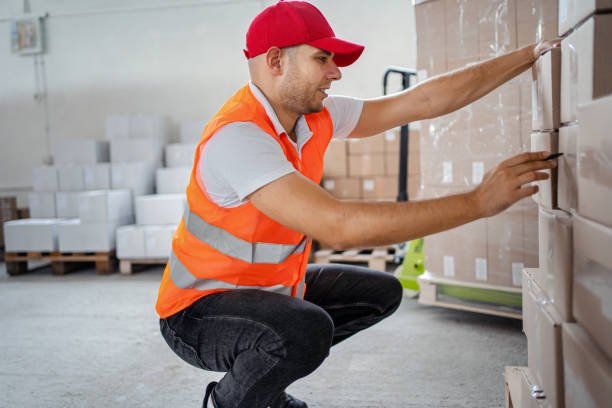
(27, 35)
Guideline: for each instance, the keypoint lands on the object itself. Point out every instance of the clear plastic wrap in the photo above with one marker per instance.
(459, 148)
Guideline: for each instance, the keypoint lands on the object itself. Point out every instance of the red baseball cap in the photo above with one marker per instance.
(289, 23)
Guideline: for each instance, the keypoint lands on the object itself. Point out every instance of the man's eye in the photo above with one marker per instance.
(323, 59)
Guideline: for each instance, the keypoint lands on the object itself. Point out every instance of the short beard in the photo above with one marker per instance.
(293, 95)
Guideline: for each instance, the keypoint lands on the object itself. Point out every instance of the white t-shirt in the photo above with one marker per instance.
(241, 158)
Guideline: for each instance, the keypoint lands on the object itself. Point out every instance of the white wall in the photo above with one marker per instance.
(178, 58)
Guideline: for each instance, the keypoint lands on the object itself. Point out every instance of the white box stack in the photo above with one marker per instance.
(172, 180)
(180, 154)
(31, 235)
(161, 209)
(80, 151)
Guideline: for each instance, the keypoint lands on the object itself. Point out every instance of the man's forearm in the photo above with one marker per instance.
(454, 90)
(373, 224)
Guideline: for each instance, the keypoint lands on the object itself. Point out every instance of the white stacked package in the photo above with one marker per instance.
(144, 241)
(45, 178)
(191, 130)
(42, 204)
(79, 151)
(97, 176)
(141, 149)
(138, 177)
(106, 206)
(70, 177)
(130, 242)
(31, 235)
(163, 209)
(77, 236)
(149, 127)
(117, 127)
(172, 180)
(158, 240)
(67, 204)
(180, 154)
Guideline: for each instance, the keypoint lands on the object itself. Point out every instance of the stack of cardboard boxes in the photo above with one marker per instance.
(459, 148)
(567, 300)
(368, 168)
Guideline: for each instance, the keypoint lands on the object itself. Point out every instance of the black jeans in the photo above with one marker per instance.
(265, 341)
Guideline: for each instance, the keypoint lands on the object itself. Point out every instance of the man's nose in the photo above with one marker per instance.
(334, 72)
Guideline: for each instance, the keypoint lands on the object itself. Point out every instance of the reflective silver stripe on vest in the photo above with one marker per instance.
(182, 278)
(228, 244)
(299, 292)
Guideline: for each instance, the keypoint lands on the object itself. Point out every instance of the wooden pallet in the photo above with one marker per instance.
(429, 284)
(61, 262)
(375, 258)
(126, 266)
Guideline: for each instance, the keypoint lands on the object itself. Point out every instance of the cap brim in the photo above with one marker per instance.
(345, 52)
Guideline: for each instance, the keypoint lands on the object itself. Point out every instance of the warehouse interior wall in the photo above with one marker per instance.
(181, 59)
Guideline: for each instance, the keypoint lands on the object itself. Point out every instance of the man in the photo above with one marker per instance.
(237, 295)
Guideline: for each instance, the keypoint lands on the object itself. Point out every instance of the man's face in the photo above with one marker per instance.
(307, 78)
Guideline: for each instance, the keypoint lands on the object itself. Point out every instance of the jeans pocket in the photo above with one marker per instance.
(185, 351)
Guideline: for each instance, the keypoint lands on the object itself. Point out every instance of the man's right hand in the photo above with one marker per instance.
(508, 182)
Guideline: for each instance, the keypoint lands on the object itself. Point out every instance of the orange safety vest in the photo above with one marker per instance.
(216, 249)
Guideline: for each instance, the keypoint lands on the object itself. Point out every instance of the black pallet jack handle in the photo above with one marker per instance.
(402, 194)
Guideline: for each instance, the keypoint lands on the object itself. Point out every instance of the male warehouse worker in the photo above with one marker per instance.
(237, 295)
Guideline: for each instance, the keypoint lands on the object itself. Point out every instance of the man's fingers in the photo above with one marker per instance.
(524, 158)
(527, 167)
(532, 176)
(527, 191)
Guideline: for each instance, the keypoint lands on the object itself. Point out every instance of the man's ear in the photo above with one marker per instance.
(273, 61)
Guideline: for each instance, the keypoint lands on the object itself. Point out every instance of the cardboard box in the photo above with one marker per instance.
(392, 139)
(79, 151)
(547, 194)
(180, 154)
(344, 188)
(143, 149)
(554, 275)
(592, 283)
(172, 180)
(97, 176)
(595, 160)
(530, 238)
(374, 188)
(158, 241)
(117, 127)
(462, 33)
(366, 145)
(71, 178)
(45, 178)
(191, 131)
(455, 170)
(77, 236)
(522, 390)
(31, 235)
(336, 159)
(572, 12)
(431, 45)
(588, 371)
(465, 262)
(497, 28)
(392, 160)
(366, 165)
(586, 66)
(164, 209)
(536, 20)
(106, 206)
(505, 256)
(138, 177)
(546, 74)
(67, 203)
(130, 242)
(542, 326)
(42, 204)
(567, 190)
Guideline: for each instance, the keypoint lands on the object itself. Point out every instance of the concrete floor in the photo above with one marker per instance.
(83, 340)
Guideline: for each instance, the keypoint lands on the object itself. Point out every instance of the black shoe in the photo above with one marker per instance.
(287, 401)
(209, 390)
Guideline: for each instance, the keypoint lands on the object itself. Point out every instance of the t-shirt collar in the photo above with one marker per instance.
(302, 131)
